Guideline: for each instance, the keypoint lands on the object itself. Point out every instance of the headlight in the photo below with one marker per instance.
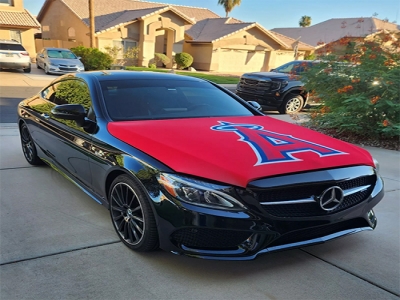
(376, 163)
(81, 68)
(198, 192)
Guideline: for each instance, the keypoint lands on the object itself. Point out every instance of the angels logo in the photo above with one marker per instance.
(272, 147)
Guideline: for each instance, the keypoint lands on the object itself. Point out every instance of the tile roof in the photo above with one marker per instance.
(105, 22)
(289, 41)
(111, 13)
(209, 30)
(334, 29)
(18, 18)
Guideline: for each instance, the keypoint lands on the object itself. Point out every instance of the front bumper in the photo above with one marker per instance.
(57, 70)
(15, 65)
(224, 235)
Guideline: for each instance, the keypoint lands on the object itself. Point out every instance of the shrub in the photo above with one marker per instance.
(131, 55)
(183, 60)
(93, 58)
(311, 56)
(113, 52)
(359, 90)
(152, 66)
(160, 57)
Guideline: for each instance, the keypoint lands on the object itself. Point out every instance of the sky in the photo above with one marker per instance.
(284, 13)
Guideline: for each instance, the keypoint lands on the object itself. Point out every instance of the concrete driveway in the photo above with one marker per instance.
(57, 243)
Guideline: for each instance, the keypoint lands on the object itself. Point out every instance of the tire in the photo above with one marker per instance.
(28, 147)
(28, 70)
(292, 104)
(132, 215)
(39, 67)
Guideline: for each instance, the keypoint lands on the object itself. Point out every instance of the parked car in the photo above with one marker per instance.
(58, 61)
(187, 166)
(14, 56)
(280, 88)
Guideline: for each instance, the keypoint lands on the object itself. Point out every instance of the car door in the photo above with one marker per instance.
(66, 144)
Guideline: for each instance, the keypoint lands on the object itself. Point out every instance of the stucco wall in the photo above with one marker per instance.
(202, 56)
(18, 5)
(27, 38)
(58, 19)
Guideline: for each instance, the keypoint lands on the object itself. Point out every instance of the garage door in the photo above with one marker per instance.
(241, 61)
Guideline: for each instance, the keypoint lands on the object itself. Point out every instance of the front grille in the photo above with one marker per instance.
(68, 69)
(317, 232)
(312, 191)
(204, 238)
(249, 81)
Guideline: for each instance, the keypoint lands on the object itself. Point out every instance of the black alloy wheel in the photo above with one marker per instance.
(291, 104)
(132, 215)
(28, 147)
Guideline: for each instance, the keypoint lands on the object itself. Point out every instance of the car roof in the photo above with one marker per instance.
(121, 75)
(9, 41)
(57, 49)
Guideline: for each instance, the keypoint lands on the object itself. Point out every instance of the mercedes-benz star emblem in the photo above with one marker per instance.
(331, 198)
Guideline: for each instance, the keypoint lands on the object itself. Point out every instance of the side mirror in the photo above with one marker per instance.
(79, 57)
(74, 112)
(272, 70)
(41, 56)
(255, 104)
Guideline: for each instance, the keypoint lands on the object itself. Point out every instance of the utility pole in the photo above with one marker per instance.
(91, 17)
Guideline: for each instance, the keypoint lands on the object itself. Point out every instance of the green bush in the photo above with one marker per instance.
(93, 58)
(159, 57)
(359, 91)
(130, 56)
(183, 60)
(152, 66)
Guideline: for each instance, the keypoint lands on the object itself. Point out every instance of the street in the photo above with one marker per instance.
(57, 243)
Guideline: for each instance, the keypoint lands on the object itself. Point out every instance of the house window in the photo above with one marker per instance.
(15, 35)
(124, 45)
(6, 2)
(71, 32)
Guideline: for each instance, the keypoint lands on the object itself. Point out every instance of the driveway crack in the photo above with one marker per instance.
(351, 273)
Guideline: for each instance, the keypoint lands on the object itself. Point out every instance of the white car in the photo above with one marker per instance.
(14, 56)
(58, 61)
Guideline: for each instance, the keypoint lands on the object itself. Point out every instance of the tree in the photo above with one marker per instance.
(229, 5)
(305, 21)
(359, 89)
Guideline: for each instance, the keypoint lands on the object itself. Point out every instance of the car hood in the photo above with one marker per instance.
(265, 75)
(65, 61)
(237, 150)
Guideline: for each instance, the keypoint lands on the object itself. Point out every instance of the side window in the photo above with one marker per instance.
(72, 91)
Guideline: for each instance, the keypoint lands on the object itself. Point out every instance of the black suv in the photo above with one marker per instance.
(280, 88)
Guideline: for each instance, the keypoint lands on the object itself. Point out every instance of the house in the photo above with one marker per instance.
(333, 30)
(16, 23)
(216, 44)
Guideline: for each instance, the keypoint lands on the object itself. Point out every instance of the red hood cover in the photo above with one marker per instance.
(237, 150)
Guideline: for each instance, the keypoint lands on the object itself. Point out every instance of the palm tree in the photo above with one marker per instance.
(305, 21)
(229, 5)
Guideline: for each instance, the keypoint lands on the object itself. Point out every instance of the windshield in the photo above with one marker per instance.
(167, 99)
(60, 54)
(294, 67)
(13, 47)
